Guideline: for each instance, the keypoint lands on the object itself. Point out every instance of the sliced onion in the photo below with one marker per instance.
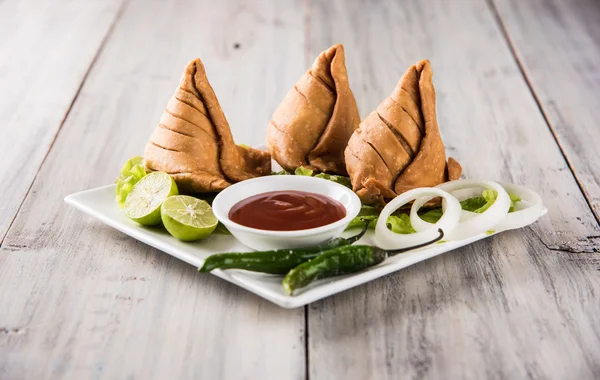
(471, 225)
(464, 194)
(387, 239)
(470, 192)
(524, 214)
(419, 224)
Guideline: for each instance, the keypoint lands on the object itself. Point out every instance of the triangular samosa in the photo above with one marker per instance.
(193, 142)
(315, 120)
(398, 147)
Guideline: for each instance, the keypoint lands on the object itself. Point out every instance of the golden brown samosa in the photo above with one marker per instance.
(315, 120)
(193, 142)
(398, 147)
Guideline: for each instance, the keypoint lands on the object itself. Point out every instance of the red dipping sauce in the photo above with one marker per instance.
(287, 210)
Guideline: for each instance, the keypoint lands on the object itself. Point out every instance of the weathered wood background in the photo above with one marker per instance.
(82, 86)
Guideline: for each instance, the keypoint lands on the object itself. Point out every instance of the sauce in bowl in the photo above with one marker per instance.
(287, 210)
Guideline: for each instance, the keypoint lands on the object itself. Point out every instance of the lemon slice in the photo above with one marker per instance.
(188, 218)
(143, 203)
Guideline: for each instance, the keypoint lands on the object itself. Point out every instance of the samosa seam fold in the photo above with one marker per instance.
(193, 141)
(398, 147)
(315, 120)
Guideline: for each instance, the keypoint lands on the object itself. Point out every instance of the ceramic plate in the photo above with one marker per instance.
(100, 204)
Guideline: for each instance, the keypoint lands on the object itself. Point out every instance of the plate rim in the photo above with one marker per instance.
(325, 289)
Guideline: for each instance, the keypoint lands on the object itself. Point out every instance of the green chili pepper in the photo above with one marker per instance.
(341, 260)
(278, 261)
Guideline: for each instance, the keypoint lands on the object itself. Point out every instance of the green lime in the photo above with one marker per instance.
(188, 218)
(143, 203)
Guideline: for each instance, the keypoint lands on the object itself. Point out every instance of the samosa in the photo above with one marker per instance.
(193, 142)
(398, 147)
(315, 120)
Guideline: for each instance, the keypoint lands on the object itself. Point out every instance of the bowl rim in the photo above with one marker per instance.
(223, 216)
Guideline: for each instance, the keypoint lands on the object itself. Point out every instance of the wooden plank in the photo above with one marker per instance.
(46, 49)
(556, 42)
(518, 305)
(83, 301)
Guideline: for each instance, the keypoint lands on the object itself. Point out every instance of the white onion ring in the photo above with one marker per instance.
(471, 225)
(464, 194)
(521, 217)
(416, 222)
(387, 239)
(467, 193)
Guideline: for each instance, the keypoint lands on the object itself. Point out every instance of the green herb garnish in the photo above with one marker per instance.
(401, 223)
(342, 180)
(130, 174)
(303, 171)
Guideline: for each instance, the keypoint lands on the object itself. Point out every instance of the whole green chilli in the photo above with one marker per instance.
(339, 261)
(279, 261)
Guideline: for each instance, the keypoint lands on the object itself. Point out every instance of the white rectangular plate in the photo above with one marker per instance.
(100, 203)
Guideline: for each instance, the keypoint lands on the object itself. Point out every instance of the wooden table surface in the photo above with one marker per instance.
(82, 85)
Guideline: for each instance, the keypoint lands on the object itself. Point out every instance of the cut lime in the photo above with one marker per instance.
(188, 218)
(147, 195)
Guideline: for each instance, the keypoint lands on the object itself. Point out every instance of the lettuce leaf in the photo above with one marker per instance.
(130, 174)
(365, 215)
(473, 204)
(344, 181)
(476, 204)
(433, 215)
(303, 171)
(513, 199)
(401, 223)
(488, 196)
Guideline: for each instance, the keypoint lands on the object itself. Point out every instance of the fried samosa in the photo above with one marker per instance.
(315, 120)
(193, 142)
(398, 147)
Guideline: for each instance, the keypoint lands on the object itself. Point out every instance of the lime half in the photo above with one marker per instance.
(143, 203)
(188, 218)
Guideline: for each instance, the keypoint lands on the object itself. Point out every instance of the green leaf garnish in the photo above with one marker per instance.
(130, 174)
(366, 214)
(400, 224)
(433, 215)
(342, 180)
(303, 171)
(513, 199)
(475, 204)
(345, 181)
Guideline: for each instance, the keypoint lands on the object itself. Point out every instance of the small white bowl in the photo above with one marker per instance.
(263, 240)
